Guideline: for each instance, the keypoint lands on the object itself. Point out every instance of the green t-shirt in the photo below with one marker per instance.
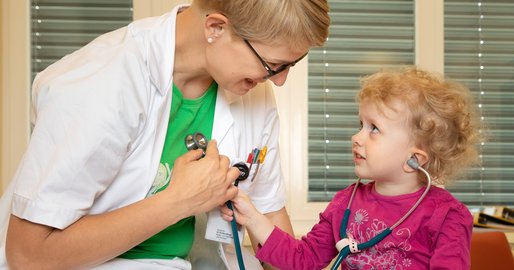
(187, 116)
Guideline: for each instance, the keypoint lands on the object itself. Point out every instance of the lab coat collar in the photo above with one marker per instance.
(161, 51)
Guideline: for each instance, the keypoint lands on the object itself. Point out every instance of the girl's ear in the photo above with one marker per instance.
(215, 26)
(419, 156)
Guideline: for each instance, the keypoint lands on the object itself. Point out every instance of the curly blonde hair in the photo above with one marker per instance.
(443, 117)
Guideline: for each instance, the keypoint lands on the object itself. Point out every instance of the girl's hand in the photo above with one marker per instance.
(247, 215)
(244, 210)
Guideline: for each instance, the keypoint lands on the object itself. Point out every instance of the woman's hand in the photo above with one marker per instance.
(203, 183)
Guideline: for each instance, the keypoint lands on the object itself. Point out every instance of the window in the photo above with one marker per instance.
(479, 52)
(365, 36)
(369, 35)
(60, 27)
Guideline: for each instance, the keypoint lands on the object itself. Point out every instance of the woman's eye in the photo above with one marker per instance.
(273, 65)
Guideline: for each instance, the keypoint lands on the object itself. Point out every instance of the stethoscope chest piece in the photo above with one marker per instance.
(244, 171)
(198, 141)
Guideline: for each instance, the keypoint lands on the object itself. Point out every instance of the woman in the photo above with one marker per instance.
(106, 181)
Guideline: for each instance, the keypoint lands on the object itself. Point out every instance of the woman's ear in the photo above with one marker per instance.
(215, 26)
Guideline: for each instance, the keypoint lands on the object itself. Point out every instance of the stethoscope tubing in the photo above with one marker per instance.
(344, 252)
(198, 141)
(237, 244)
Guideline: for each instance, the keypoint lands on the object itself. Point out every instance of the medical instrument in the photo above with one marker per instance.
(198, 141)
(243, 174)
(348, 245)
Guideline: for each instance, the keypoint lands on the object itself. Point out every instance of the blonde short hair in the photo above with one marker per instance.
(299, 24)
(443, 116)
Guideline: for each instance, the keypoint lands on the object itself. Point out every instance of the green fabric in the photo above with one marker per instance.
(186, 117)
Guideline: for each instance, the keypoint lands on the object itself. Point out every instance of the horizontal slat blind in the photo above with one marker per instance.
(60, 27)
(365, 36)
(479, 52)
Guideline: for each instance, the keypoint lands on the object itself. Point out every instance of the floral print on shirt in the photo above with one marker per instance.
(385, 254)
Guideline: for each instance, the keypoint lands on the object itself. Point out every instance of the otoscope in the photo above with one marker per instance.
(198, 141)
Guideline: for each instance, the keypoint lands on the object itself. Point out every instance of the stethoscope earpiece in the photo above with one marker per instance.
(413, 162)
(190, 144)
(200, 140)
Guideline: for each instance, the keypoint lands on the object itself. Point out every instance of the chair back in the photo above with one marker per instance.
(491, 250)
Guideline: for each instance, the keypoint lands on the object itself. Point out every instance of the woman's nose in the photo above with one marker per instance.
(280, 78)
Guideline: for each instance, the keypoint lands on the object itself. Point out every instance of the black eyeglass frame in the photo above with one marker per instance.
(270, 71)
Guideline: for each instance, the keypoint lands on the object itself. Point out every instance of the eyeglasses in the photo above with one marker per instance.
(270, 71)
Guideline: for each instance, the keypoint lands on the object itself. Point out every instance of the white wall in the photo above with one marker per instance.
(14, 86)
(148, 8)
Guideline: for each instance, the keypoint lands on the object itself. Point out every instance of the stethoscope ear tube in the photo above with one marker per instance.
(343, 253)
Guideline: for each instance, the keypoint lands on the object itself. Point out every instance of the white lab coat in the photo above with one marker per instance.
(100, 116)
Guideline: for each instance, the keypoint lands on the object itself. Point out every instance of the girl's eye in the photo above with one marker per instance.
(374, 129)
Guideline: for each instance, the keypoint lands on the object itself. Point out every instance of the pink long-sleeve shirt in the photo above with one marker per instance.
(435, 236)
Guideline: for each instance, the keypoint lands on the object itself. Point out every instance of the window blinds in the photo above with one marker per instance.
(365, 36)
(479, 52)
(60, 27)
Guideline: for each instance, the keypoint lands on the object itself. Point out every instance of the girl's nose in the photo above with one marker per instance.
(355, 139)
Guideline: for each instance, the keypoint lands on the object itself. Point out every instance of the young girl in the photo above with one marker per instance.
(416, 130)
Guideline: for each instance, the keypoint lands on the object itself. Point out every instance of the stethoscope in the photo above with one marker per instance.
(348, 245)
(198, 141)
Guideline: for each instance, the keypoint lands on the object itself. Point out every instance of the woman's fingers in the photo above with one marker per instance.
(204, 182)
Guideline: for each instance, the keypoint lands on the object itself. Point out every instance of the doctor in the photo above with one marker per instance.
(107, 182)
